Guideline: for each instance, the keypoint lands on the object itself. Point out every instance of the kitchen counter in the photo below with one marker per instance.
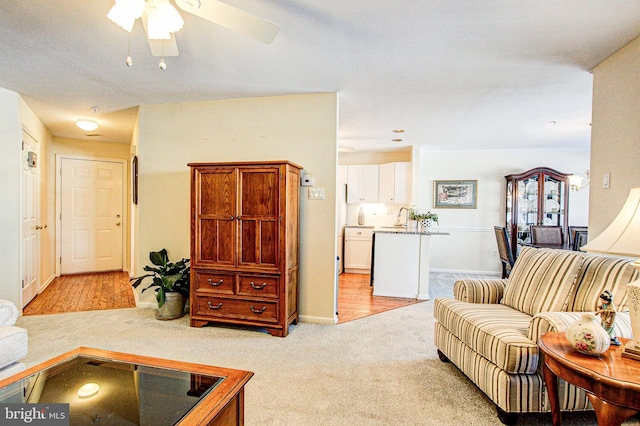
(400, 264)
(403, 230)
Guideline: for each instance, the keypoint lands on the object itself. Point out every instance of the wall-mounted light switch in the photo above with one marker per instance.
(316, 193)
(605, 180)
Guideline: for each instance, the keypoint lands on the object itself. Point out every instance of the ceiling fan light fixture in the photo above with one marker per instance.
(163, 20)
(188, 4)
(87, 124)
(125, 12)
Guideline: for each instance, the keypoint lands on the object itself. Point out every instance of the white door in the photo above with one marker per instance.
(30, 209)
(91, 223)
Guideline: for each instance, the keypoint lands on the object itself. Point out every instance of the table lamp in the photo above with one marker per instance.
(622, 238)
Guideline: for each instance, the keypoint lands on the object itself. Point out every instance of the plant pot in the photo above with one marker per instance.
(173, 307)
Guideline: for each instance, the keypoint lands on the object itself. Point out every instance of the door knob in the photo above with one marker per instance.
(117, 223)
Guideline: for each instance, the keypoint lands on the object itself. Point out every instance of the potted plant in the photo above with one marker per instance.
(170, 281)
(424, 219)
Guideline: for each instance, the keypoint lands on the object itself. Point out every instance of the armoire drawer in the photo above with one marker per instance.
(214, 282)
(258, 285)
(240, 309)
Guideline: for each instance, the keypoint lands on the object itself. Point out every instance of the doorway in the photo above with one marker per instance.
(91, 215)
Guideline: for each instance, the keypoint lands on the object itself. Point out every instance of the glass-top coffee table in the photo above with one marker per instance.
(113, 388)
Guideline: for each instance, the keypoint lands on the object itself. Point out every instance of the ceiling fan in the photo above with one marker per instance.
(161, 20)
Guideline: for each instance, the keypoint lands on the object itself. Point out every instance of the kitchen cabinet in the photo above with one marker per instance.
(394, 179)
(357, 249)
(245, 244)
(538, 196)
(362, 183)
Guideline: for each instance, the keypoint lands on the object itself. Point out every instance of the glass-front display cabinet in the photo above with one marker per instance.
(538, 196)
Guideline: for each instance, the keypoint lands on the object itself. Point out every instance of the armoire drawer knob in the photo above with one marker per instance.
(215, 284)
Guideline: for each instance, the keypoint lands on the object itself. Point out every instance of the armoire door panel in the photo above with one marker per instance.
(259, 242)
(217, 241)
(259, 193)
(218, 193)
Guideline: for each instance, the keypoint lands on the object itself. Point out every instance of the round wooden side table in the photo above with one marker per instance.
(612, 381)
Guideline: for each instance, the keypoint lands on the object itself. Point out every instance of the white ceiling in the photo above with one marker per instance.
(455, 74)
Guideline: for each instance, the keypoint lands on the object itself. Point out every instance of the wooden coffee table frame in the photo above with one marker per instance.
(224, 405)
(612, 382)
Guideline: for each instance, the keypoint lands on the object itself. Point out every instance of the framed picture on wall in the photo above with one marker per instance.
(455, 194)
(134, 180)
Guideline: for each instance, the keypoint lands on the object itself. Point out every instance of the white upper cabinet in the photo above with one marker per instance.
(362, 183)
(395, 183)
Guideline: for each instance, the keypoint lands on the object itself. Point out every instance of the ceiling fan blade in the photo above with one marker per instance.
(167, 47)
(232, 18)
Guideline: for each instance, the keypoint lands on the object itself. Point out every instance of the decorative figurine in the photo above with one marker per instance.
(607, 312)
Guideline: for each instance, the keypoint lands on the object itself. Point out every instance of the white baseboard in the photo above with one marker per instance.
(317, 320)
(46, 283)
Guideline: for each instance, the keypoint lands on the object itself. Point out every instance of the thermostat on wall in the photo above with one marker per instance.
(32, 159)
(306, 180)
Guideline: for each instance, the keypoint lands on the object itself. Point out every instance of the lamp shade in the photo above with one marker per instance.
(622, 237)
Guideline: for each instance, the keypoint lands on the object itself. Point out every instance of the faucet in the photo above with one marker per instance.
(406, 217)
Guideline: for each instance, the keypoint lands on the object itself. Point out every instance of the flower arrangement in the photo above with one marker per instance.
(423, 217)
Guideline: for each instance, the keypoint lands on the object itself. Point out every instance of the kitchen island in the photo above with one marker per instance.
(400, 264)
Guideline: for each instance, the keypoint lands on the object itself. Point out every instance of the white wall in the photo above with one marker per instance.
(298, 128)
(10, 149)
(471, 241)
(15, 115)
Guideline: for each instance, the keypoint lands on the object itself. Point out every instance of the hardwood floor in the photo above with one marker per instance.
(112, 290)
(356, 299)
(85, 292)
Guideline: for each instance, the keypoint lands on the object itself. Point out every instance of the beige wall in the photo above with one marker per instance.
(615, 134)
(298, 128)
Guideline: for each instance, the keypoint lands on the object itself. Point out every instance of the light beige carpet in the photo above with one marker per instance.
(379, 370)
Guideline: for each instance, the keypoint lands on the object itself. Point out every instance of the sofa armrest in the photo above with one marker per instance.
(8, 312)
(545, 322)
(479, 291)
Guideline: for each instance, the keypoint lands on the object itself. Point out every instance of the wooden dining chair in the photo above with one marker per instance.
(579, 239)
(577, 236)
(546, 235)
(504, 250)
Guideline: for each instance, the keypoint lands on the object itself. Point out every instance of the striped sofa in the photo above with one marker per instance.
(490, 329)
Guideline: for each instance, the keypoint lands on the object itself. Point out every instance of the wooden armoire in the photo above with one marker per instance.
(245, 244)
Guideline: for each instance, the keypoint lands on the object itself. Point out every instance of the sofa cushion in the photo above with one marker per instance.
(601, 273)
(542, 280)
(495, 331)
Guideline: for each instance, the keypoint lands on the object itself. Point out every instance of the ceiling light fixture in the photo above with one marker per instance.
(396, 140)
(125, 12)
(577, 182)
(87, 124)
(162, 19)
(398, 130)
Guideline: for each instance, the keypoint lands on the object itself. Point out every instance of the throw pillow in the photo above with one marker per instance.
(600, 273)
(542, 280)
